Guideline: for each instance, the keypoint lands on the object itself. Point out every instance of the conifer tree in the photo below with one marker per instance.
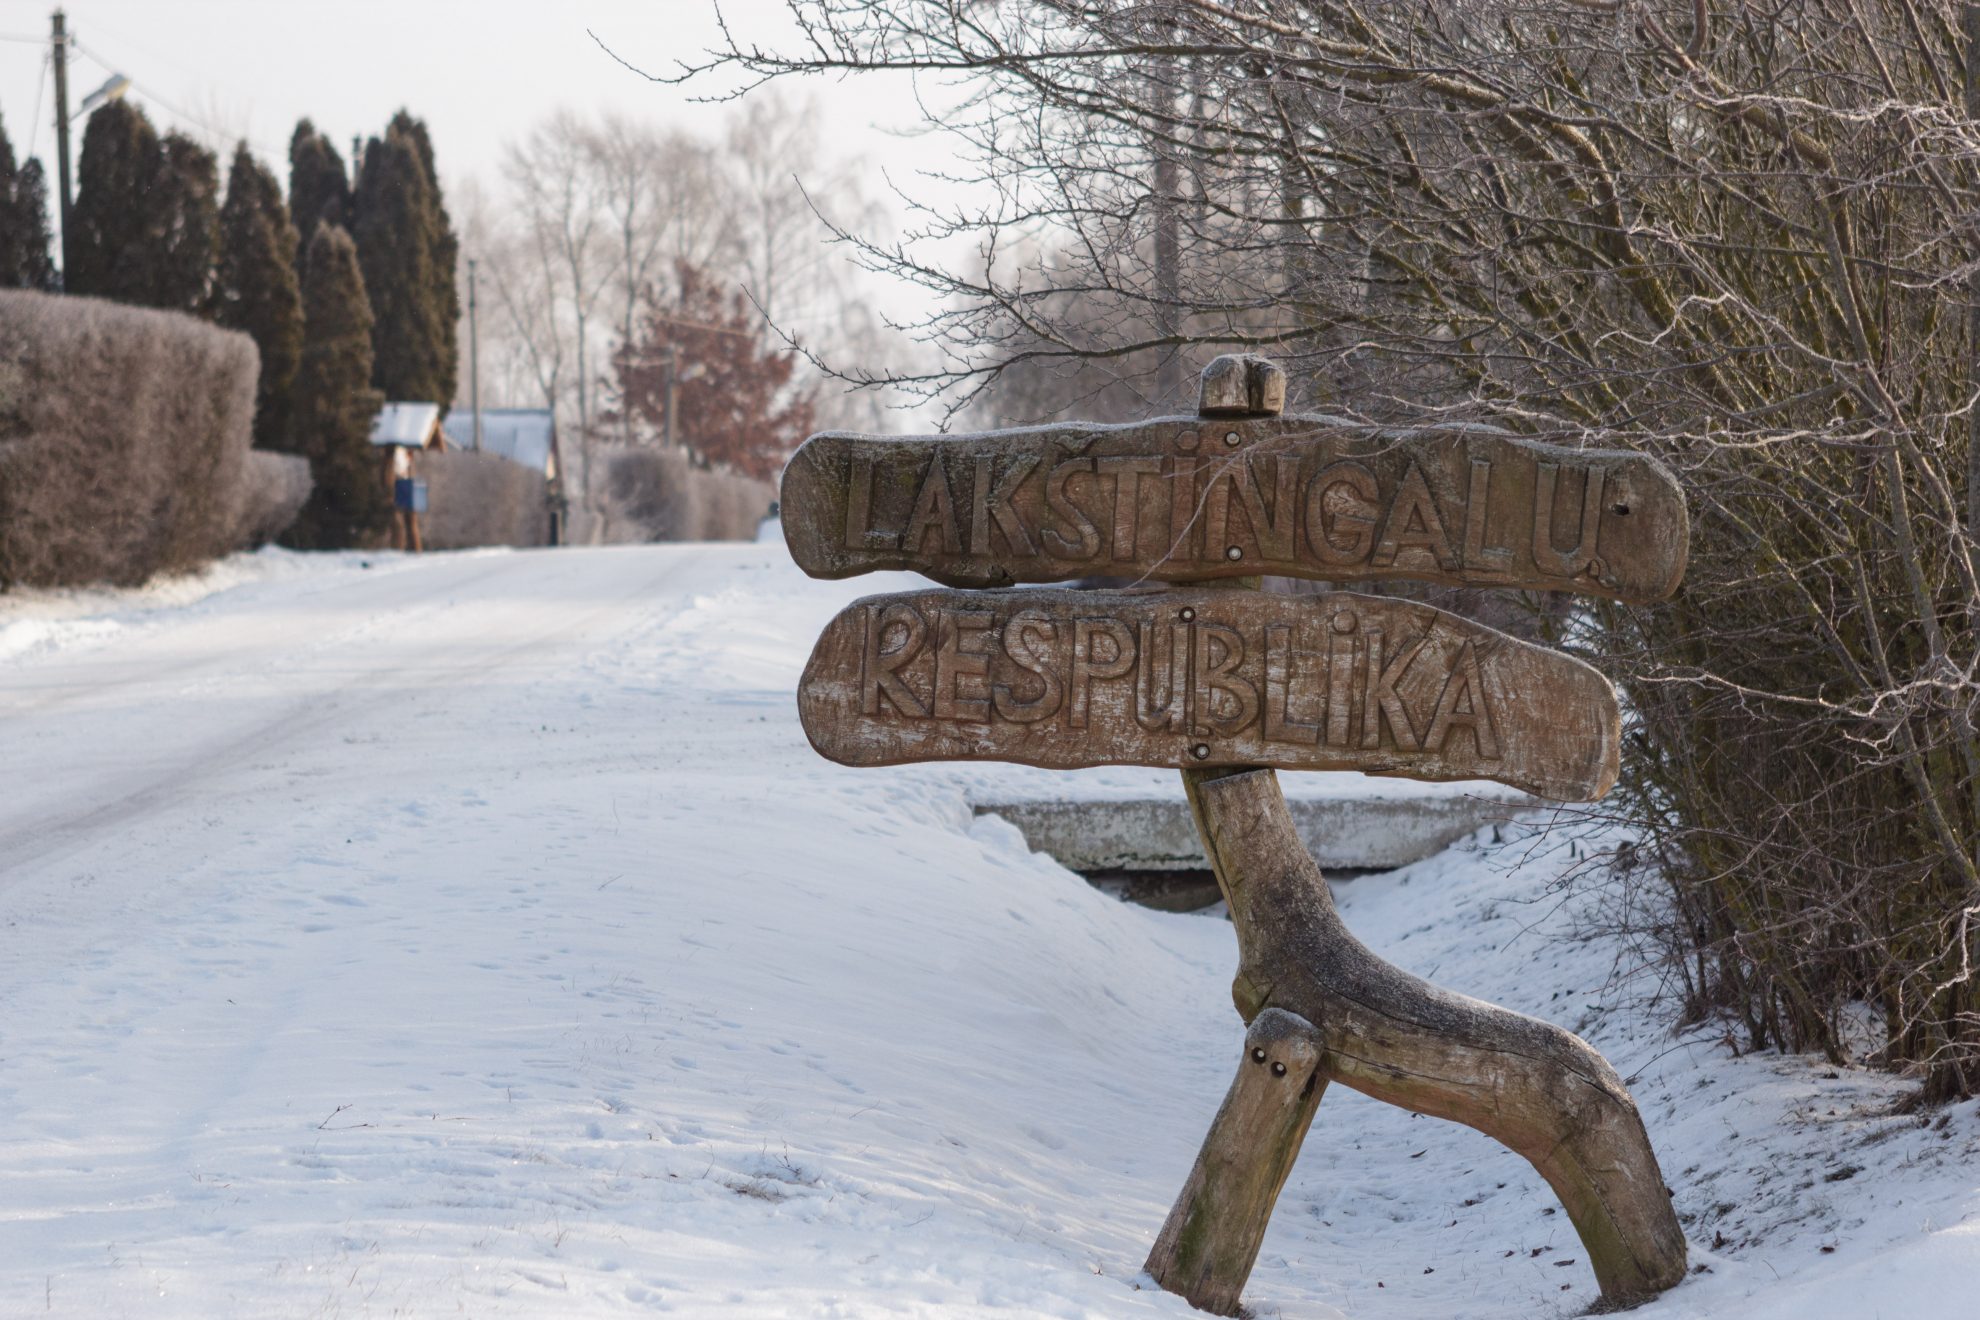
(24, 238)
(255, 288)
(184, 228)
(146, 215)
(332, 404)
(109, 253)
(319, 190)
(407, 246)
(446, 253)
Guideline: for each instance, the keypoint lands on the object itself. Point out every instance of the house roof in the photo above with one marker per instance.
(522, 435)
(407, 425)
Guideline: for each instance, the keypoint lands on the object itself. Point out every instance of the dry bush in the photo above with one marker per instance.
(271, 492)
(1740, 237)
(482, 499)
(123, 432)
(667, 498)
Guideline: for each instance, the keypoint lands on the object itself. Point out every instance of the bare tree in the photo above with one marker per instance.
(1741, 237)
(665, 202)
(553, 172)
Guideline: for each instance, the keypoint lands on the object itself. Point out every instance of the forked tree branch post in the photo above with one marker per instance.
(1323, 1008)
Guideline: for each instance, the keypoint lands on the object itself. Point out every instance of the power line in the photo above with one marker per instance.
(34, 133)
(170, 108)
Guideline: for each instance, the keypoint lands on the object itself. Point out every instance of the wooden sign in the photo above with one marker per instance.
(1205, 677)
(1190, 499)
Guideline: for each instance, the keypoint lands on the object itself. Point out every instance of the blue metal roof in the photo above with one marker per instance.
(521, 435)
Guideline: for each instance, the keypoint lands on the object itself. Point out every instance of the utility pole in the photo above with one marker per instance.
(59, 52)
(673, 377)
(673, 353)
(474, 359)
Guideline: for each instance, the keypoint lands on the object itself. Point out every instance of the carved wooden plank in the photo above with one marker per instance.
(1192, 499)
(1204, 677)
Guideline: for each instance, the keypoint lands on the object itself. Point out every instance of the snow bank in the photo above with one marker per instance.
(479, 933)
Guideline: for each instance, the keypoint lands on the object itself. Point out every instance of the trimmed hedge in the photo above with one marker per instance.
(124, 437)
(272, 491)
(670, 499)
(481, 499)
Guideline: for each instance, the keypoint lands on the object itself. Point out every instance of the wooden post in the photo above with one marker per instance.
(1221, 683)
(1308, 987)
(1207, 1247)
(1536, 1088)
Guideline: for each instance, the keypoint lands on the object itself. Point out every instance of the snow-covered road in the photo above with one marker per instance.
(232, 702)
(477, 934)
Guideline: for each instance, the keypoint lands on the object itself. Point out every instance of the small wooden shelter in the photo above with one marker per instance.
(400, 432)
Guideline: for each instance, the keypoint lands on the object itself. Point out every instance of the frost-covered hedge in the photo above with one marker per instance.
(124, 437)
(670, 499)
(482, 499)
(272, 491)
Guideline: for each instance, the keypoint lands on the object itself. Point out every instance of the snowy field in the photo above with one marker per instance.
(478, 935)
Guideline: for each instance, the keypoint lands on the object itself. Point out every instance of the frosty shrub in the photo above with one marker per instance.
(482, 499)
(1738, 237)
(272, 490)
(123, 434)
(668, 498)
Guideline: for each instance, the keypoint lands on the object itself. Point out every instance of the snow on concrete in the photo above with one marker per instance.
(477, 934)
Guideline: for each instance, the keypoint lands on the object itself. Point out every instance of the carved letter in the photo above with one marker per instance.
(1477, 555)
(1182, 511)
(994, 502)
(1161, 707)
(1279, 660)
(1087, 666)
(1217, 507)
(959, 654)
(1273, 534)
(1019, 646)
(1217, 674)
(1413, 521)
(1464, 684)
(1340, 676)
(1380, 702)
(859, 505)
(879, 665)
(1085, 541)
(1127, 474)
(1571, 563)
(1335, 504)
(933, 508)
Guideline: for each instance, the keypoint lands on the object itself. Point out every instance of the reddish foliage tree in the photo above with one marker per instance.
(733, 400)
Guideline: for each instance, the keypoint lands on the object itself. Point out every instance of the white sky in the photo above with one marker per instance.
(480, 72)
